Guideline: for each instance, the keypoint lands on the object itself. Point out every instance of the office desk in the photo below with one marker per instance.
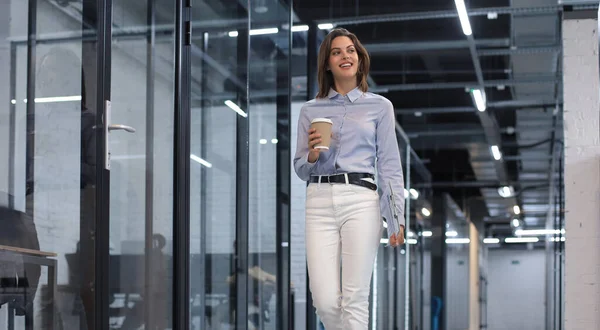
(34, 257)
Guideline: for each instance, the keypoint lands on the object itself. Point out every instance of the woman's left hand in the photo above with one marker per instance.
(397, 239)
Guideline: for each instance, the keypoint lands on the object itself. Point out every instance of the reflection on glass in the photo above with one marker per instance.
(47, 196)
(216, 93)
(141, 197)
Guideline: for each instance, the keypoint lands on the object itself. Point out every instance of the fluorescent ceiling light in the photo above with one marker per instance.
(464, 18)
(411, 234)
(491, 240)
(236, 108)
(557, 239)
(427, 233)
(515, 222)
(299, 28)
(274, 141)
(521, 240)
(200, 160)
(479, 97)
(73, 98)
(451, 233)
(13, 101)
(411, 241)
(257, 32)
(517, 209)
(458, 241)
(425, 212)
(325, 26)
(496, 152)
(414, 193)
(538, 232)
(263, 141)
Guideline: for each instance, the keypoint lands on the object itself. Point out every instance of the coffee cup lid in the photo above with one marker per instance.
(321, 120)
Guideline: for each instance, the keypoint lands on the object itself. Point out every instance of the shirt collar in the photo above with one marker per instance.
(353, 95)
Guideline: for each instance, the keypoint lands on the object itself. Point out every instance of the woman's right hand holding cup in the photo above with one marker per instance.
(314, 138)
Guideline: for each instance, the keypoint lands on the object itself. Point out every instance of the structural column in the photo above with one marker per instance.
(582, 171)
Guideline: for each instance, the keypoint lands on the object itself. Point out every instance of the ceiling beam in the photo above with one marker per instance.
(530, 79)
(441, 14)
(477, 184)
(419, 46)
(512, 104)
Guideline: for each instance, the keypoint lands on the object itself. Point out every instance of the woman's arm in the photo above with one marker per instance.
(302, 166)
(389, 170)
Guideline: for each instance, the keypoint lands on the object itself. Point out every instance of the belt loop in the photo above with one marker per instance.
(346, 178)
(319, 183)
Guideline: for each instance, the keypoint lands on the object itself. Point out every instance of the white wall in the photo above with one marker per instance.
(456, 305)
(582, 173)
(516, 289)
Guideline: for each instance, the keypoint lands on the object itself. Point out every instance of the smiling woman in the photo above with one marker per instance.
(347, 207)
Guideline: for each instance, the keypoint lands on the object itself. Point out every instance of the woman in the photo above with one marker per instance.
(343, 207)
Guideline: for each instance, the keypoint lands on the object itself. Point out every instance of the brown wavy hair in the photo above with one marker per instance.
(326, 77)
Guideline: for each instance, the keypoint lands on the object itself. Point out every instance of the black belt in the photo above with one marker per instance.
(353, 178)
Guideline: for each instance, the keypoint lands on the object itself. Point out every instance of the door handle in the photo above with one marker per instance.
(108, 127)
(126, 128)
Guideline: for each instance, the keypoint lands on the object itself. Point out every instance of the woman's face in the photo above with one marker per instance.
(343, 59)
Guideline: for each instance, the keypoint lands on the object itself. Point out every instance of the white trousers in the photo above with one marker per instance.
(343, 230)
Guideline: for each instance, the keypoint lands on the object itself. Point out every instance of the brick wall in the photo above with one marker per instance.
(582, 174)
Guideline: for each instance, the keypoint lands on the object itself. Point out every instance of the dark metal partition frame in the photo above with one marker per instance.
(283, 213)
(102, 225)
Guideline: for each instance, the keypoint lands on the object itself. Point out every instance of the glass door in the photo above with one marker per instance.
(140, 135)
(49, 187)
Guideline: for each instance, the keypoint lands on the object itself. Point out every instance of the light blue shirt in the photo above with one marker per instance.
(364, 141)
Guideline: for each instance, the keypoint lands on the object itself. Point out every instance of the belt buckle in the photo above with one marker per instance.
(329, 179)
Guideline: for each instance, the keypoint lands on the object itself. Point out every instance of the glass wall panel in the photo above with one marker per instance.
(269, 145)
(218, 107)
(141, 169)
(47, 189)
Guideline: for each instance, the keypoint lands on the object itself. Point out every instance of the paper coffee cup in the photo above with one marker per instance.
(323, 127)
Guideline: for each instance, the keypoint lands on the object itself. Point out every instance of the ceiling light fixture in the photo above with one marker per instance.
(200, 160)
(479, 96)
(257, 32)
(236, 108)
(496, 152)
(521, 240)
(427, 233)
(451, 233)
(516, 223)
(539, 232)
(53, 99)
(458, 241)
(517, 209)
(506, 191)
(414, 193)
(325, 26)
(425, 212)
(299, 28)
(463, 16)
(491, 240)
